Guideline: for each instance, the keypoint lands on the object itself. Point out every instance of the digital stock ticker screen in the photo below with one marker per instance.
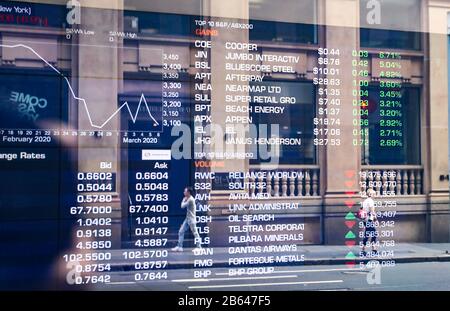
(234, 145)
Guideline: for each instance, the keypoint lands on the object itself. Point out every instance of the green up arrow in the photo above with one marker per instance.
(350, 216)
(350, 255)
(350, 235)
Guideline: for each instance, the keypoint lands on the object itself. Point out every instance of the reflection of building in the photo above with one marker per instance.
(420, 164)
(422, 194)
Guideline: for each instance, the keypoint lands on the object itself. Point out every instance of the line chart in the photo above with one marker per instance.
(134, 116)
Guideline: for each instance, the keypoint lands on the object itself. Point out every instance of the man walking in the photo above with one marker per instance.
(369, 218)
(190, 221)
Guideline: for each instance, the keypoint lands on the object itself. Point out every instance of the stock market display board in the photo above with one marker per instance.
(166, 150)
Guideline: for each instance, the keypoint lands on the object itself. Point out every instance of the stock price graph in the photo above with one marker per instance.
(146, 114)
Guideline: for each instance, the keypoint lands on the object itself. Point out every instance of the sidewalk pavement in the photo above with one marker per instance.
(313, 255)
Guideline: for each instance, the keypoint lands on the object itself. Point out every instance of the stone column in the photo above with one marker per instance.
(237, 9)
(438, 92)
(100, 78)
(437, 123)
(223, 10)
(341, 18)
(99, 81)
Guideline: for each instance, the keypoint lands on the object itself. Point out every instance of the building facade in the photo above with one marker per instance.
(109, 69)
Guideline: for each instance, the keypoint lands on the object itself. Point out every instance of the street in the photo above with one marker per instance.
(428, 276)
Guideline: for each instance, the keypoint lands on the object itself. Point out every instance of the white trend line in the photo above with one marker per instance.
(125, 104)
